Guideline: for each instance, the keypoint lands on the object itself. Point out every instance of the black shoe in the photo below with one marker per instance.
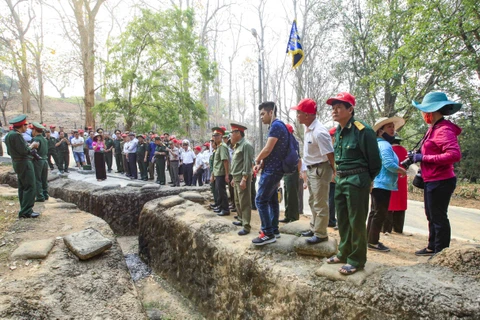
(233, 210)
(277, 234)
(243, 232)
(32, 215)
(237, 223)
(315, 239)
(46, 197)
(213, 205)
(379, 247)
(264, 239)
(217, 210)
(425, 252)
(39, 200)
(236, 217)
(332, 225)
(254, 208)
(308, 233)
(223, 213)
(285, 220)
(66, 171)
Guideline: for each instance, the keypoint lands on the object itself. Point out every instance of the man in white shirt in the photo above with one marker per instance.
(77, 147)
(187, 158)
(53, 133)
(198, 167)
(320, 162)
(131, 150)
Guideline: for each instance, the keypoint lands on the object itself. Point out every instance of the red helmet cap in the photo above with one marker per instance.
(306, 105)
(342, 96)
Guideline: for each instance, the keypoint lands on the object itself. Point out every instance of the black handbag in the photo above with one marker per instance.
(418, 180)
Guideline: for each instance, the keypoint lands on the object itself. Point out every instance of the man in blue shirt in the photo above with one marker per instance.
(270, 161)
(91, 153)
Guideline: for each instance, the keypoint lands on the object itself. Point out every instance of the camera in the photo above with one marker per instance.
(408, 162)
(35, 155)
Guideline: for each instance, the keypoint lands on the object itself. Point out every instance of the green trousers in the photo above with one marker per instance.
(214, 192)
(142, 167)
(160, 167)
(26, 186)
(119, 161)
(351, 203)
(41, 175)
(291, 196)
(63, 160)
(109, 160)
(243, 201)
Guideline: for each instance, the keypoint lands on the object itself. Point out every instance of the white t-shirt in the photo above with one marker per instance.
(77, 141)
(317, 144)
(188, 156)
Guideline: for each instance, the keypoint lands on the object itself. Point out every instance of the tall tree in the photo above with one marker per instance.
(15, 40)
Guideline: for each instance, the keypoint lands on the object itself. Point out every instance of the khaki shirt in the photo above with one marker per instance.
(220, 155)
(242, 159)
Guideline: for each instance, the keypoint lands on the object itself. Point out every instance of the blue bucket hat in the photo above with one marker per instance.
(434, 101)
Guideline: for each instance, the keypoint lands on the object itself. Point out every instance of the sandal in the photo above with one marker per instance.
(347, 270)
(333, 260)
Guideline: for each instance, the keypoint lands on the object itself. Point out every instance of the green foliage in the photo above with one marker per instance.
(155, 73)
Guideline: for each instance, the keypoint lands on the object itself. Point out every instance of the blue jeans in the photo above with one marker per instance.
(267, 201)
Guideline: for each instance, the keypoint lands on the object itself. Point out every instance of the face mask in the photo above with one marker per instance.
(388, 137)
(428, 117)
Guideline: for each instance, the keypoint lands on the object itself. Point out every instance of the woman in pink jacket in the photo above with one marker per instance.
(439, 151)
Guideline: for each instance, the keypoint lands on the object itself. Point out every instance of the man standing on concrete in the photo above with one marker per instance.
(160, 154)
(40, 165)
(142, 157)
(108, 151)
(131, 150)
(22, 165)
(291, 183)
(77, 144)
(241, 171)
(357, 162)
(91, 153)
(319, 159)
(221, 170)
(63, 153)
(270, 161)
(117, 150)
(52, 151)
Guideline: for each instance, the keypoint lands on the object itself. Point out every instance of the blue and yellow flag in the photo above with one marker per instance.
(294, 47)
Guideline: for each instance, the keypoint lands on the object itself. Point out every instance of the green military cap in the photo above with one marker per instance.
(18, 120)
(140, 136)
(227, 134)
(218, 131)
(38, 125)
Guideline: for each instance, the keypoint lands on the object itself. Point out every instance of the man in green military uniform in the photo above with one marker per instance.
(52, 151)
(22, 164)
(108, 151)
(142, 157)
(357, 161)
(117, 149)
(241, 171)
(40, 166)
(63, 153)
(221, 171)
(161, 151)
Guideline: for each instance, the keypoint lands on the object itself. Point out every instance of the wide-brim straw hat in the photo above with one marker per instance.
(397, 121)
(95, 137)
(434, 101)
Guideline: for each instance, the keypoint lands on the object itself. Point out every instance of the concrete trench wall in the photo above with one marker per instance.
(190, 247)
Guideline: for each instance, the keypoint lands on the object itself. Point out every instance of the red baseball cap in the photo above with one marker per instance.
(206, 144)
(198, 148)
(342, 96)
(332, 131)
(289, 127)
(306, 105)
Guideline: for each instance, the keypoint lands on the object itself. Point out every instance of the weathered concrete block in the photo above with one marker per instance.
(87, 243)
(61, 205)
(37, 249)
(86, 171)
(171, 201)
(323, 249)
(192, 196)
(135, 184)
(217, 225)
(150, 186)
(111, 187)
(295, 227)
(330, 271)
(284, 244)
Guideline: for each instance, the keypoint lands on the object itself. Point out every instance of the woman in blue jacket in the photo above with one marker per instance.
(385, 182)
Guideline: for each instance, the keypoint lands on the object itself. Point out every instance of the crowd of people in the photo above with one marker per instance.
(342, 167)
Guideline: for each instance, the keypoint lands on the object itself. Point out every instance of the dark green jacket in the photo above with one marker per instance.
(17, 147)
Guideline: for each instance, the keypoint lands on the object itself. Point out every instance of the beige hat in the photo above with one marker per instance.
(397, 121)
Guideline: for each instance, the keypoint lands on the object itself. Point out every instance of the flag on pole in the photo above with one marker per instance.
(294, 47)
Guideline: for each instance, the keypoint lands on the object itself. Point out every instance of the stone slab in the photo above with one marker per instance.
(37, 249)
(5, 159)
(171, 201)
(192, 196)
(295, 227)
(135, 184)
(330, 271)
(111, 187)
(61, 205)
(87, 243)
(284, 244)
(323, 249)
(86, 171)
(150, 186)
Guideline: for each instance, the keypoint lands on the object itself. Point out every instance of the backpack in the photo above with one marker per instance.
(290, 163)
